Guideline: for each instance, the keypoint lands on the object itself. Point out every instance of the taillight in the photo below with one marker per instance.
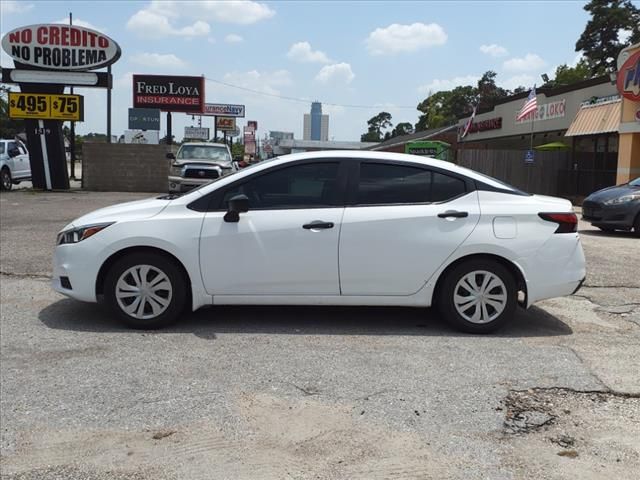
(567, 222)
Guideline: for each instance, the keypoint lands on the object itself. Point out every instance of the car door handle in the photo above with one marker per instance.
(453, 214)
(317, 225)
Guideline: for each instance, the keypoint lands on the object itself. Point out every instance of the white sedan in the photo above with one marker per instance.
(328, 228)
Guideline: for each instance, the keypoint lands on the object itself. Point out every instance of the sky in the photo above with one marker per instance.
(382, 55)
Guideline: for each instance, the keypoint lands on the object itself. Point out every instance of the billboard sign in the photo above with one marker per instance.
(169, 93)
(226, 124)
(253, 124)
(44, 106)
(628, 81)
(60, 47)
(223, 109)
(144, 119)
(147, 137)
(196, 133)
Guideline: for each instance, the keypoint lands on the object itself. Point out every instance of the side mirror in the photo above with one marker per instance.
(237, 158)
(237, 205)
(171, 156)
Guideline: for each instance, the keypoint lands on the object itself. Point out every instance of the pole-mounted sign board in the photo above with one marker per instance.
(43, 106)
(144, 119)
(169, 93)
(223, 109)
(60, 47)
(226, 124)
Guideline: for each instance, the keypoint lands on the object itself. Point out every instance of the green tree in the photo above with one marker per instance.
(237, 150)
(9, 127)
(488, 92)
(600, 40)
(566, 75)
(375, 127)
(403, 128)
(444, 108)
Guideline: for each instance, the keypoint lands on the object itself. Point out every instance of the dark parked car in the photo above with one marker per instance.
(614, 208)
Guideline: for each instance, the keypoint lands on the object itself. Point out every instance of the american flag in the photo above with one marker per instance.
(468, 124)
(529, 106)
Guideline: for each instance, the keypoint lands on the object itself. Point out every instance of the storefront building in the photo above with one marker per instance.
(628, 83)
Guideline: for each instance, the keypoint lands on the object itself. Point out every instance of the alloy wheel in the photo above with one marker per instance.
(480, 296)
(144, 291)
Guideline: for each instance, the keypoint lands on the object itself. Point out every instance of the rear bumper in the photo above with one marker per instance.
(557, 270)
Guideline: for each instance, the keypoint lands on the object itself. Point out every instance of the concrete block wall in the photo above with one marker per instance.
(119, 167)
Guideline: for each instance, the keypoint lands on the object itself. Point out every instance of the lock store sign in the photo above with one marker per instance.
(60, 47)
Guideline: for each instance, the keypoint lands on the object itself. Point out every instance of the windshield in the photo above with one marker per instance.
(635, 183)
(203, 152)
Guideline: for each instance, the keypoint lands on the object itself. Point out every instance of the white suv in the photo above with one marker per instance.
(14, 163)
(198, 163)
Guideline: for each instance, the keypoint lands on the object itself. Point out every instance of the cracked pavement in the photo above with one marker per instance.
(329, 393)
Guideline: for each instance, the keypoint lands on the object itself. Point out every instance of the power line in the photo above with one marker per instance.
(306, 100)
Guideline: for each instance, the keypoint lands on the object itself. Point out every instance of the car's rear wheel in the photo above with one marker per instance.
(146, 291)
(5, 179)
(636, 226)
(478, 296)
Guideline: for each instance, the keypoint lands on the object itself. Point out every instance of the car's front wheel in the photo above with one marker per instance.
(146, 290)
(636, 226)
(478, 296)
(5, 179)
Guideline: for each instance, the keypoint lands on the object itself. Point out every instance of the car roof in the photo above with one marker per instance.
(207, 144)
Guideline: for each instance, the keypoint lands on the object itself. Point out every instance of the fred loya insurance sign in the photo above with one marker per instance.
(60, 47)
(169, 93)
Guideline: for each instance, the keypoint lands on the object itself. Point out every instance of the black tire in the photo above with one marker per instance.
(5, 179)
(176, 298)
(507, 289)
(636, 226)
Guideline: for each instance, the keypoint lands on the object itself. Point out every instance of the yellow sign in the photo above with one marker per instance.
(44, 106)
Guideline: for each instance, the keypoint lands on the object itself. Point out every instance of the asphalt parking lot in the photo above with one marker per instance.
(321, 393)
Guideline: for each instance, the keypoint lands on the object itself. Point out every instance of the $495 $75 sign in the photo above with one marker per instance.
(45, 106)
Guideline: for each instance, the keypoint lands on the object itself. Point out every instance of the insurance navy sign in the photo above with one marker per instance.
(60, 47)
(169, 93)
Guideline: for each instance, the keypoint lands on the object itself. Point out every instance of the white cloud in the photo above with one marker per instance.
(438, 85)
(158, 60)
(405, 38)
(267, 82)
(336, 73)
(516, 81)
(241, 12)
(233, 38)
(530, 62)
(81, 23)
(150, 24)
(624, 35)
(302, 52)
(494, 50)
(7, 7)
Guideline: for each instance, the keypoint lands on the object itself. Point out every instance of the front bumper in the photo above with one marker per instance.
(181, 185)
(616, 216)
(79, 263)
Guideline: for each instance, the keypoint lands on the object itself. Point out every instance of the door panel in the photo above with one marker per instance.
(395, 249)
(269, 252)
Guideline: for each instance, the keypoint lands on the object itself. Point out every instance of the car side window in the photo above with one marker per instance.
(1, 147)
(382, 184)
(310, 185)
(445, 187)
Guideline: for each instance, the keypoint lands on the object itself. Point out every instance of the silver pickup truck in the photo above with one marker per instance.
(198, 163)
(14, 163)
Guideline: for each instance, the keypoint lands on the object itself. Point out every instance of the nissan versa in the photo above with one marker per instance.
(328, 228)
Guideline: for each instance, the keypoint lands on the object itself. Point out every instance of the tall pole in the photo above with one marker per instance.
(109, 106)
(533, 120)
(72, 140)
(169, 135)
(215, 129)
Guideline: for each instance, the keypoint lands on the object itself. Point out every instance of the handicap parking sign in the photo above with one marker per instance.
(528, 156)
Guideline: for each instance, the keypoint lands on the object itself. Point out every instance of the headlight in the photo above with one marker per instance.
(623, 199)
(76, 235)
(176, 170)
